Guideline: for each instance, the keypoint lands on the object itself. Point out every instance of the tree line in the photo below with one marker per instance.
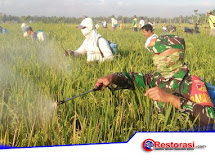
(200, 18)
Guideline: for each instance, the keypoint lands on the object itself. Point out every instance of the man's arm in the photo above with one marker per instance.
(205, 114)
(123, 80)
(81, 50)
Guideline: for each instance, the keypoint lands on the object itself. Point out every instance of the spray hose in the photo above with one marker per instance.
(59, 42)
(97, 88)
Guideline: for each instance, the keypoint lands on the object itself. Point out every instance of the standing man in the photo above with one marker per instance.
(114, 23)
(211, 20)
(104, 23)
(141, 23)
(135, 23)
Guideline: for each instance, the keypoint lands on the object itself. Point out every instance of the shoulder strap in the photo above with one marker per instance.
(99, 47)
(147, 80)
(182, 83)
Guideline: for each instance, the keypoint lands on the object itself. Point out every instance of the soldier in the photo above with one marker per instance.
(171, 83)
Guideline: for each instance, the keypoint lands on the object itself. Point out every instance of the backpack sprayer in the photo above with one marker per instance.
(97, 88)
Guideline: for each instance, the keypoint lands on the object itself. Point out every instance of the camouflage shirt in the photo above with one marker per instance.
(204, 114)
(165, 42)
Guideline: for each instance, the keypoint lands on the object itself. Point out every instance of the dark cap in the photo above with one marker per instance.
(147, 27)
(29, 29)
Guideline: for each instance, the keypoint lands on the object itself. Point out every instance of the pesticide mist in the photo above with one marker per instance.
(24, 102)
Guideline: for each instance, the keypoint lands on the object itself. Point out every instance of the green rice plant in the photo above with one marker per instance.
(33, 75)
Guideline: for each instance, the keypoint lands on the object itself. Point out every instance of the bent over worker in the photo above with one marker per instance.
(95, 46)
(171, 83)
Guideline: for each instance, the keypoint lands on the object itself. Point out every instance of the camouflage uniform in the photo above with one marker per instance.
(169, 77)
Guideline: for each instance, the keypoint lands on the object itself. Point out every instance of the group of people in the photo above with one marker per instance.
(28, 31)
(135, 23)
(115, 24)
(169, 28)
(191, 30)
(170, 83)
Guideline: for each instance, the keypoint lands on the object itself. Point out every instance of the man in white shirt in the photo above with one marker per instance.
(114, 23)
(95, 46)
(141, 22)
(149, 34)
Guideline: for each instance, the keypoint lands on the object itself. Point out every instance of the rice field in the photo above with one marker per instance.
(33, 75)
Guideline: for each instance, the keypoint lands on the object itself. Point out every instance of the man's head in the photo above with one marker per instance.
(209, 12)
(147, 30)
(23, 24)
(86, 26)
(29, 30)
(135, 16)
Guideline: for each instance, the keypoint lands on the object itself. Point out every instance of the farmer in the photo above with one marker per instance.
(41, 35)
(30, 32)
(141, 22)
(169, 28)
(95, 46)
(135, 23)
(211, 20)
(114, 23)
(23, 27)
(104, 23)
(171, 83)
(196, 28)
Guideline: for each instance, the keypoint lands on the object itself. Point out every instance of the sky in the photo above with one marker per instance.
(94, 8)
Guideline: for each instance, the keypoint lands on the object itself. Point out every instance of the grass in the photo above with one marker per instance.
(34, 75)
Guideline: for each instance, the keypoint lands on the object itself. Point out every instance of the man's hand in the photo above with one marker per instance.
(157, 94)
(66, 53)
(107, 80)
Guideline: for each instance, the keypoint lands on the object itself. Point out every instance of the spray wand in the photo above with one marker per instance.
(59, 42)
(97, 88)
